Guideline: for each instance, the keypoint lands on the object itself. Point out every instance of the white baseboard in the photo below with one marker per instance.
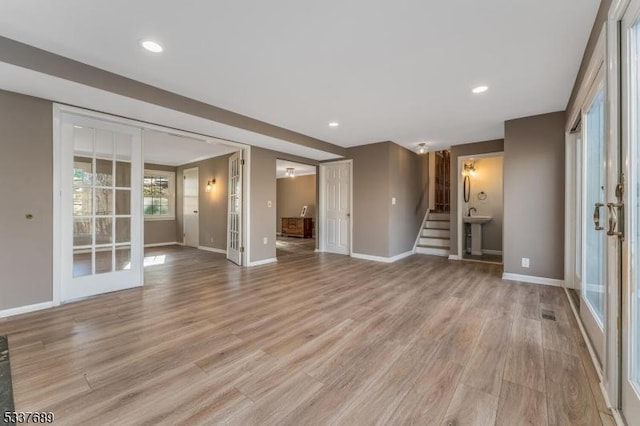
(263, 262)
(498, 252)
(455, 257)
(214, 250)
(532, 279)
(173, 243)
(26, 309)
(382, 258)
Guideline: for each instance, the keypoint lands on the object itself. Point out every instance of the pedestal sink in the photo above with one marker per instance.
(476, 232)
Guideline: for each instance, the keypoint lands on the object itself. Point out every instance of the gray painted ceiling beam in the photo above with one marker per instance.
(29, 57)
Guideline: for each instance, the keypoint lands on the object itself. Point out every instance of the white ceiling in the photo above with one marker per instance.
(299, 169)
(174, 150)
(386, 70)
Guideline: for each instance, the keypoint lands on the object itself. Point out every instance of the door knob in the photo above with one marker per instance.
(195, 211)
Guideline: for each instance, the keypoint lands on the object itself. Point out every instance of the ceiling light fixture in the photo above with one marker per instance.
(152, 46)
(422, 148)
(290, 172)
(334, 124)
(480, 89)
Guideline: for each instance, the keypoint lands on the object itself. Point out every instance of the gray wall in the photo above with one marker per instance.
(460, 151)
(212, 219)
(410, 189)
(26, 176)
(263, 190)
(534, 195)
(292, 194)
(382, 171)
(489, 180)
(371, 201)
(160, 231)
(599, 21)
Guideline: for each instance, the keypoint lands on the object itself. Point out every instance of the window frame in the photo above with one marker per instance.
(171, 178)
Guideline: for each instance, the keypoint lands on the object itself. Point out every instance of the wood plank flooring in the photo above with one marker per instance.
(314, 339)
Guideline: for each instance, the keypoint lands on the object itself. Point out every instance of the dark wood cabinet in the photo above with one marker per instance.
(297, 227)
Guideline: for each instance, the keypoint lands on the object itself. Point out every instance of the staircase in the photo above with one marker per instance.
(434, 235)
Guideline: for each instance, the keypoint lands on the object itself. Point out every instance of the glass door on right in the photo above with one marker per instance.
(630, 356)
(592, 294)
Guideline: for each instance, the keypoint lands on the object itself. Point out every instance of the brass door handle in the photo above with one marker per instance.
(613, 219)
(596, 217)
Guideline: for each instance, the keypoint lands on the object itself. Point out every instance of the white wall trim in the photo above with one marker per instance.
(533, 279)
(382, 258)
(424, 219)
(455, 257)
(26, 309)
(172, 243)
(263, 262)
(212, 249)
(497, 252)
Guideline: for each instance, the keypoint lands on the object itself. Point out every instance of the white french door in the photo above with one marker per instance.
(335, 199)
(630, 330)
(101, 206)
(594, 156)
(234, 221)
(190, 207)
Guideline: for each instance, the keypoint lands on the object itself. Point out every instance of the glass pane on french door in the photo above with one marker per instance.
(101, 189)
(594, 279)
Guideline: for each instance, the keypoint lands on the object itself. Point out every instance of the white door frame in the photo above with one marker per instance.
(58, 238)
(461, 160)
(58, 109)
(184, 228)
(322, 235)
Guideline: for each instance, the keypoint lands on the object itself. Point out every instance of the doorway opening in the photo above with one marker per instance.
(296, 207)
(481, 207)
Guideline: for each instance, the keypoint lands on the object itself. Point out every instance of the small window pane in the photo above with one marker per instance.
(103, 260)
(123, 174)
(82, 265)
(82, 201)
(123, 258)
(82, 235)
(104, 201)
(123, 201)
(123, 230)
(104, 172)
(104, 230)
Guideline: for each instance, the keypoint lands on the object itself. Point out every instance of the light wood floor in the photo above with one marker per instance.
(313, 339)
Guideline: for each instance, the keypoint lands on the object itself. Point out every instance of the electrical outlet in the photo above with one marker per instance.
(269, 205)
(525, 262)
(393, 201)
(265, 240)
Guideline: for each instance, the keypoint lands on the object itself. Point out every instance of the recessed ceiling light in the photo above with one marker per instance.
(152, 46)
(480, 89)
(334, 124)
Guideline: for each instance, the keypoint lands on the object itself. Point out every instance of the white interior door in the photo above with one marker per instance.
(630, 333)
(191, 207)
(234, 222)
(101, 206)
(336, 207)
(593, 292)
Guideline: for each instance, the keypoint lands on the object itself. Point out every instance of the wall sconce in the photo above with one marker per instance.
(290, 172)
(422, 148)
(469, 169)
(211, 184)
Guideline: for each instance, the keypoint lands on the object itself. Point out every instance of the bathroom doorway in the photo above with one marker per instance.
(481, 207)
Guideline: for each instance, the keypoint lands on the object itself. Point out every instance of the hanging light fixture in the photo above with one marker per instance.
(422, 148)
(290, 172)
